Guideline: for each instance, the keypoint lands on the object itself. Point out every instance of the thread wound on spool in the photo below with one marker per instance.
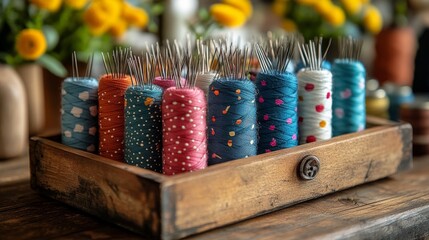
(232, 126)
(111, 115)
(79, 114)
(184, 130)
(314, 105)
(165, 83)
(204, 80)
(348, 97)
(143, 127)
(277, 111)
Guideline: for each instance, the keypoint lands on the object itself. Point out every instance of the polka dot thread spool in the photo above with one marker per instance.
(79, 113)
(277, 100)
(232, 123)
(143, 118)
(314, 95)
(348, 89)
(204, 80)
(165, 83)
(169, 70)
(184, 125)
(112, 87)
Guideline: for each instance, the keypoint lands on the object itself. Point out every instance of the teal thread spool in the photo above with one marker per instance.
(143, 119)
(349, 113)
(79, 114)
(79, 109)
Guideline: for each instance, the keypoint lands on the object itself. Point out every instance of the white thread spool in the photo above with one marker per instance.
(204, 80)
(314, 105)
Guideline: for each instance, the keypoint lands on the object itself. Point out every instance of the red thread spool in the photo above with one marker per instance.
(165, 83)
(111, 92)
(184, 130)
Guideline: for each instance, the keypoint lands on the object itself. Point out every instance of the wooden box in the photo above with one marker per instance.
(171, 207)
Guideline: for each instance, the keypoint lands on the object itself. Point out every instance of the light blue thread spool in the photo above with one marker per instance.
(79, 113)
(348, 97)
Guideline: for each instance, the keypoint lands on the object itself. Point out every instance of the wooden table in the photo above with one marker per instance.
(396, 208)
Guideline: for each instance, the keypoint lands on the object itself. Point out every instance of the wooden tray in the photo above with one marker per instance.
(172, 207)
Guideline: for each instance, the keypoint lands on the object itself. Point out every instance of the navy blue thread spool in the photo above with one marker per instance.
(277, 99)
(143, 119)
(232, 125)
(348, 94)
(79, 109)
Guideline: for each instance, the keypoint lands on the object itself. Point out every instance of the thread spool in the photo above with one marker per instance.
(232, 120)
(314, 95)
(348, 97)
(184, 123)
(398, 95)
(111, 90)
(277, 99)
(165, 83)
(79, 109)
(143, 118)
(348, 89)
(79, 114)
(377, 103)
(203, 81)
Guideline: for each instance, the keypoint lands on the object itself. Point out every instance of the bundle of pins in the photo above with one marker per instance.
(348, 88)
(116, 65)
(277, 95)
(79, 116)
(314, 94)
(232, 113)
(143, 119)
(169, 63)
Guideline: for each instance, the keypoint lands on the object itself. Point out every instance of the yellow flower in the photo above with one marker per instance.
(76, 4)
(243, 5)
(323, 7)
(50, 5)
(352, 6)
(118, 29)
(335, 17)
(288, 25)
(279, 7)
(227, 16)
(30, 44)
(134, 16)
(372, 20)
(101, 15)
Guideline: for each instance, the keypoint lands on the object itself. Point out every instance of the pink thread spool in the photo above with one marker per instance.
(184, 130)
(165, 83)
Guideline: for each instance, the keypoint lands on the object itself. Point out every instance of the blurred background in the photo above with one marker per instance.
(38, 37)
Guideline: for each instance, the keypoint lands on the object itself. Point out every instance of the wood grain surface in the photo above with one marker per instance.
(393, 208)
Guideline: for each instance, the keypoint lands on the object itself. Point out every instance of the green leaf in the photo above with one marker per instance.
(51, 36)
(52, 65)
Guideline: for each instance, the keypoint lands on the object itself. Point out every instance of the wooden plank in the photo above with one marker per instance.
(238, 190)
(14, 170)
(124, 194)
(393, 208)
(24, 214)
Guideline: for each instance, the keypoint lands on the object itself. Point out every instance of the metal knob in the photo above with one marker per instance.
(309, 167)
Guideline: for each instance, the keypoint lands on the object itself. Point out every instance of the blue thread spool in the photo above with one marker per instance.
(79, 118)
(143, 127)
(277, 111)
(348, 97)
(398, 95)
(232, 126)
